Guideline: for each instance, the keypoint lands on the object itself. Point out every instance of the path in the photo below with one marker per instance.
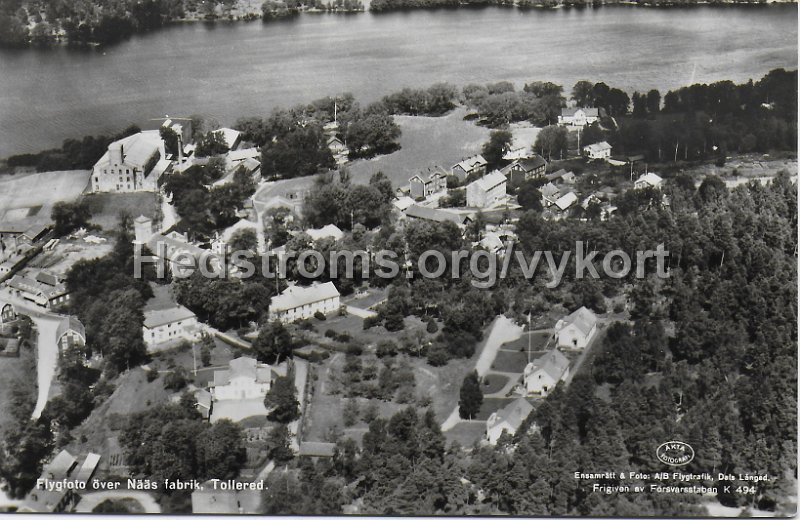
(168, 214)
(503, 331)
(91, 500)
(300, 379)
(46, 346)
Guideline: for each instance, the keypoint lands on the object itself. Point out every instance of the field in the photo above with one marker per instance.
(107, 207)
(32, 196)
(425, 142)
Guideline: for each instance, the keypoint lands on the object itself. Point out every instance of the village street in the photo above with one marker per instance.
(46, 346)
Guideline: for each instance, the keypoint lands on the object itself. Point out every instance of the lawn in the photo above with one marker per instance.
(538, 342)
(107, 207)
(466, 433)
(36, 193)
(425, 142)
(511, 361)
(496, 382)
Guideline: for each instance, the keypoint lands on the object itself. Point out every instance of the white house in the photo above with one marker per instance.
(507, 419)
(487, 190)
(131, 164)
(577, 329)
(296, 302)
(544, 373)
(163, 327)
(578, 116)
(329, 231)
(648, 180)
(601, 150)
(238, 392)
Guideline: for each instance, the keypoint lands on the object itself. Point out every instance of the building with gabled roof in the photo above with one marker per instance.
(130, 164)
(45, 289)
(230, 137)
(42, 499)
(550, 194)
(297, 302)
(578, 116)
(418, 212)
(487, 190)
(472, 165)
(328, 231)
(238, 392)
(576, 330)
(649, 179)
(70, 333)
(163, 328)
(543, 374)
(566, 201)
(601, 150)
(427, 183)
(525, 169)
(507, 419)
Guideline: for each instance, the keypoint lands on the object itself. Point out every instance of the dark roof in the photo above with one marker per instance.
(533, 163)
(435, 215)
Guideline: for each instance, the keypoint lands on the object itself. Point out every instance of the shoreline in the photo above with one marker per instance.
(59, 41)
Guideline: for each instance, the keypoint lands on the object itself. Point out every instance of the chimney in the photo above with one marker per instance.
(115, 153)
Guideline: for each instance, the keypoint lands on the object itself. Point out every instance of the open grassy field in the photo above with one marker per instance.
(107, 207)
(32, 196)
(425, 142)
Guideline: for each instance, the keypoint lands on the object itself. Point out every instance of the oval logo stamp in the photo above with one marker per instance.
(675, 453)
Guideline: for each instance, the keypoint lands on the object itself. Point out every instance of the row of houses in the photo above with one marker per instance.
(573, 332)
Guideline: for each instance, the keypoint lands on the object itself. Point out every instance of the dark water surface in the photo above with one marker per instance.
(229, 70)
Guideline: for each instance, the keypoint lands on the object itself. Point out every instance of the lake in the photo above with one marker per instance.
(228, 70)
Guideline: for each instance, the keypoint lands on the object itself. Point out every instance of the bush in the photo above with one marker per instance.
(350, 412)
(438, 355)
(370, 322)
(152, 375)
(330, 333)
(370, 413)
(354, 349)
(432, 328)
(386, 348)
(176, 379)
(320, 316)
(344, 337)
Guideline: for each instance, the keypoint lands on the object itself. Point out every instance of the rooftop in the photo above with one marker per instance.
(297, 296)
(582, 318)
(490, 180)
(158, 318)
(469, 163)
(513, 413)
(137, 149)
(554, 364)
